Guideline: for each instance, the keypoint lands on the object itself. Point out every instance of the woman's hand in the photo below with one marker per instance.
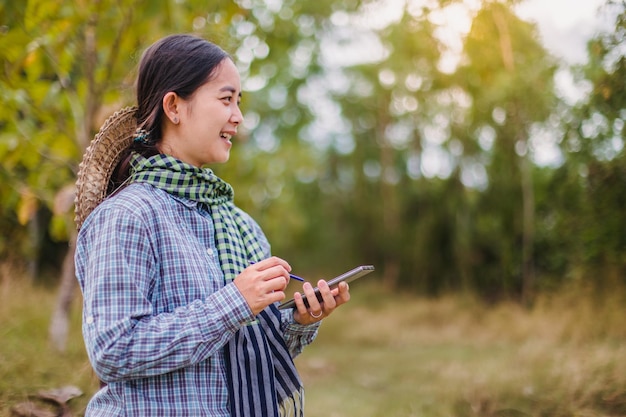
(263, 283)
(317, 311)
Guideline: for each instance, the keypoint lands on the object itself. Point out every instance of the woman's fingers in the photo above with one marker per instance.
(263, 283)
(316, 310)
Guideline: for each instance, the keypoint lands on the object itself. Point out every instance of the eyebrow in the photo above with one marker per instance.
(231, 89)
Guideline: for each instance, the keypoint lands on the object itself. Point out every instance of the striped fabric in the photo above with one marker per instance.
(262, 377)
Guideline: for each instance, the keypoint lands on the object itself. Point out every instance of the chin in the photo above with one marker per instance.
(221, 160)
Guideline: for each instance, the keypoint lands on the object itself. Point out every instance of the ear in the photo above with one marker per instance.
(171, 106)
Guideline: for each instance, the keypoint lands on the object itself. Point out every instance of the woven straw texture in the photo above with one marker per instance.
(100, 159)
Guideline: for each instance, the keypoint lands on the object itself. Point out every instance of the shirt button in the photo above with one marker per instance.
(209, 252)
(89, 320)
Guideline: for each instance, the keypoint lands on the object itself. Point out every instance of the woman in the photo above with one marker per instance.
(179, 288)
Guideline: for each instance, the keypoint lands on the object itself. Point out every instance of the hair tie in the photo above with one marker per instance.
(141, 136)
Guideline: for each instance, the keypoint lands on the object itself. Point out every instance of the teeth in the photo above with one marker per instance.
(226, 136)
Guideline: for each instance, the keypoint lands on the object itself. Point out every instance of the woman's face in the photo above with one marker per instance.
(207, 120)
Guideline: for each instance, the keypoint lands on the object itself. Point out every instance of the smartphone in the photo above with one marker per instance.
(349, 276)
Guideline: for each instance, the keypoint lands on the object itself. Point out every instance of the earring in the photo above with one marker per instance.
(175, 120)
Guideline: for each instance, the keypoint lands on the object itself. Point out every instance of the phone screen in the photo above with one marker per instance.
(349, 276)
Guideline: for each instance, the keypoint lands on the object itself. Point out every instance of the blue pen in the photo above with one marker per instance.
(297, 278)
(292, 276)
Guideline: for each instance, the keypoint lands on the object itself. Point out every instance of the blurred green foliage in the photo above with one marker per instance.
(362, 142)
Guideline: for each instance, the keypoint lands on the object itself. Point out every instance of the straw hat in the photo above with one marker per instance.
(100, 159)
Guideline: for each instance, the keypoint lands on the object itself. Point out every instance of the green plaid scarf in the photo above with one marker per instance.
(262, 377)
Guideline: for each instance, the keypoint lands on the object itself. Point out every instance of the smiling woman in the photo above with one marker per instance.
(198, 129)
(180, 291)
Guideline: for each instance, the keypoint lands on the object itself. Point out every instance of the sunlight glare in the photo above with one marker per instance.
(453, 22)
(564, 25)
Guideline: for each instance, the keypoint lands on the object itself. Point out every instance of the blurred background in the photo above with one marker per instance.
(473, 151)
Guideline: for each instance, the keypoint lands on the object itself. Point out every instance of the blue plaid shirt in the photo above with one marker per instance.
(156, 312)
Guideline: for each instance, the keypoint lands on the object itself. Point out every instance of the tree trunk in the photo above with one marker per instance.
(528, 194)
(59, 325)
(389, 199)
(528, 233)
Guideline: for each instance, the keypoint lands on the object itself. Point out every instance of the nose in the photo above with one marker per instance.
(236, 117)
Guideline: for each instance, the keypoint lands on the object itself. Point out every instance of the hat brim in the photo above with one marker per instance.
(100, 159)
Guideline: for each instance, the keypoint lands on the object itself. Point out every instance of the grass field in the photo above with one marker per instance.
(391, 356)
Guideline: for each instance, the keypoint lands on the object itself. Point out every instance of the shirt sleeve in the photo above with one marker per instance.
(297, 335)
(124, 337)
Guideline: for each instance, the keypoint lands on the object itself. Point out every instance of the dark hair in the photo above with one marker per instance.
(176, 63)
